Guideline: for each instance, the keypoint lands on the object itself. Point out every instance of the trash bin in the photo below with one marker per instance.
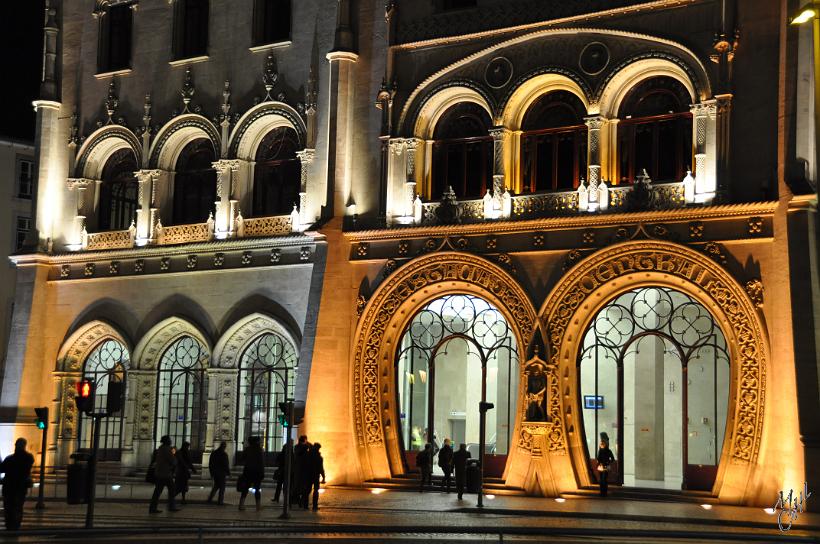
(473, 474)
(77, 479)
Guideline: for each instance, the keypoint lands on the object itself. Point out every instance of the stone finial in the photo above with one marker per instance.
(270, 76)
(112, 101)
(187, 91)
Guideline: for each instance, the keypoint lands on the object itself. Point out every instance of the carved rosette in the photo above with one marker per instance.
(226, 389)
(146, 391)
(477, 275)
(68, 408)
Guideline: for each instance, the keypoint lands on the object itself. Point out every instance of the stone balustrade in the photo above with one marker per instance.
(116, 239)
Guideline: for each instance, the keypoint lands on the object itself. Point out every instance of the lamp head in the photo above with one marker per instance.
(805, 14)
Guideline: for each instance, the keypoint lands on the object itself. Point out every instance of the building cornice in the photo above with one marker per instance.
(450, 40)
(169, 251)
(727, 211)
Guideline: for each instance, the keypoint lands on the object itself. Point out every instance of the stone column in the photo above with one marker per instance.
(396, 178)
(501, 138)
(147, 213)
(306, 158)
(595, 126)
(340, 113)
(226, 206)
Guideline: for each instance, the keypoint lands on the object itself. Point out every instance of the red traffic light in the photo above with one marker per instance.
(85, 389)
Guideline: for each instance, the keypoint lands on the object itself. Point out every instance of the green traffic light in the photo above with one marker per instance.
(41, 424)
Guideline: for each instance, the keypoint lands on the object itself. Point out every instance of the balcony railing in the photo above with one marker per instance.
(115, 239)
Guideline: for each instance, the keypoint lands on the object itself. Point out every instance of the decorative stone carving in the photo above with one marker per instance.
(404, 247)
(114, 268)
(363, 249)
(589, 237)
(192, 260)
(165, 264)
(389, 267)
(266, 226)
(247, 258)
(68, 408)
(754, 288)
(538, 240)
(695, 230)
(755, 226)
(80, 344)
(572, 257)
(219, 260)
(275, 255)
(492, 243)
(498, 73)
(361, 302)
(714, 251)
(139, 266)
(89, 270)
(304, 254)
(65, 271)
(536, 394)
(229, 350)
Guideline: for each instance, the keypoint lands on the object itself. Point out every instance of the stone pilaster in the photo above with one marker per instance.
(306, 158)
(222, 392)
(79, 186)
(340, 156)
(144, 384)
(723, 123)
(704, 143)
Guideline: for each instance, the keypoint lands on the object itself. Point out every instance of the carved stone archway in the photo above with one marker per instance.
(379, 330)
(573, 303)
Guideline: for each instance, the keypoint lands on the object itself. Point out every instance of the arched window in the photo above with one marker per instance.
(194, 183)
(655, 131)
(554, 143)
(106, 363)
(119, 192)
(463, 152)
(654, 376)
(190, 29)
(264, 369)
(439, 371)
(182, 398)
(277, 174)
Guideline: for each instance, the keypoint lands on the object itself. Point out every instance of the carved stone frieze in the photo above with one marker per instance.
(754, 288)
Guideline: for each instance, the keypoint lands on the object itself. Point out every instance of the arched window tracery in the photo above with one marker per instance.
(265, 368)
(182, 398)
(105, 363)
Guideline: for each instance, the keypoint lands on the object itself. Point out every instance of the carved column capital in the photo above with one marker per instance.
(397, 146)
(306, 156)
(595, 122)
(224, 165)
(144, 176)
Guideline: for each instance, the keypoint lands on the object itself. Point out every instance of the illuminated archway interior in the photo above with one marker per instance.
(439, 373)
(654, 372)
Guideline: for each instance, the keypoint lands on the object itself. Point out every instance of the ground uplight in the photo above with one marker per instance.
(560, 499)
(491, 497)
(377, 490)
(769, 511)
(706, 506)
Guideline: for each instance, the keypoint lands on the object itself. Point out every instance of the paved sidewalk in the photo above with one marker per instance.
(407, 510)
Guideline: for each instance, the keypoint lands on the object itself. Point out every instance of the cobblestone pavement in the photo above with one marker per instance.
(405, 516)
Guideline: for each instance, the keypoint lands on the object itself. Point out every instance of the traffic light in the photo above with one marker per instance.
(284, 413)
(113, 400)
(485, 406)
(86, 388)
(42, 418)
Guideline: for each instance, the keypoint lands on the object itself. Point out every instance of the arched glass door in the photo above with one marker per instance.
(182, 395)
(106, 363)
(439, 375)
(654, 376)
(262, 377)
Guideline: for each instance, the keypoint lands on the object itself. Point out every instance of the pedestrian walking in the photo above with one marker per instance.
(163, 466)
(252, 473)
(185, 467)
(279, 475)
(297, 479)
(220, 468)
(605, 459)
(424, 462)
(317, 468)
(460, 465)
(16, 483)
(305, 477)
(445, 461)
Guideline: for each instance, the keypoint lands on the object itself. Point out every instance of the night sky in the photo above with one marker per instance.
(21, 32)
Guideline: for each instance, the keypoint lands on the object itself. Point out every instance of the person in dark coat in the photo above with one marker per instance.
(460, 465)
(253, 472)
(605, 459)
(16, 482)
(299, 474)
(424, 462)
(165, 464)
(220, 468)
(317, 469)
(185, 467)
(279, 475)
(445, 461)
